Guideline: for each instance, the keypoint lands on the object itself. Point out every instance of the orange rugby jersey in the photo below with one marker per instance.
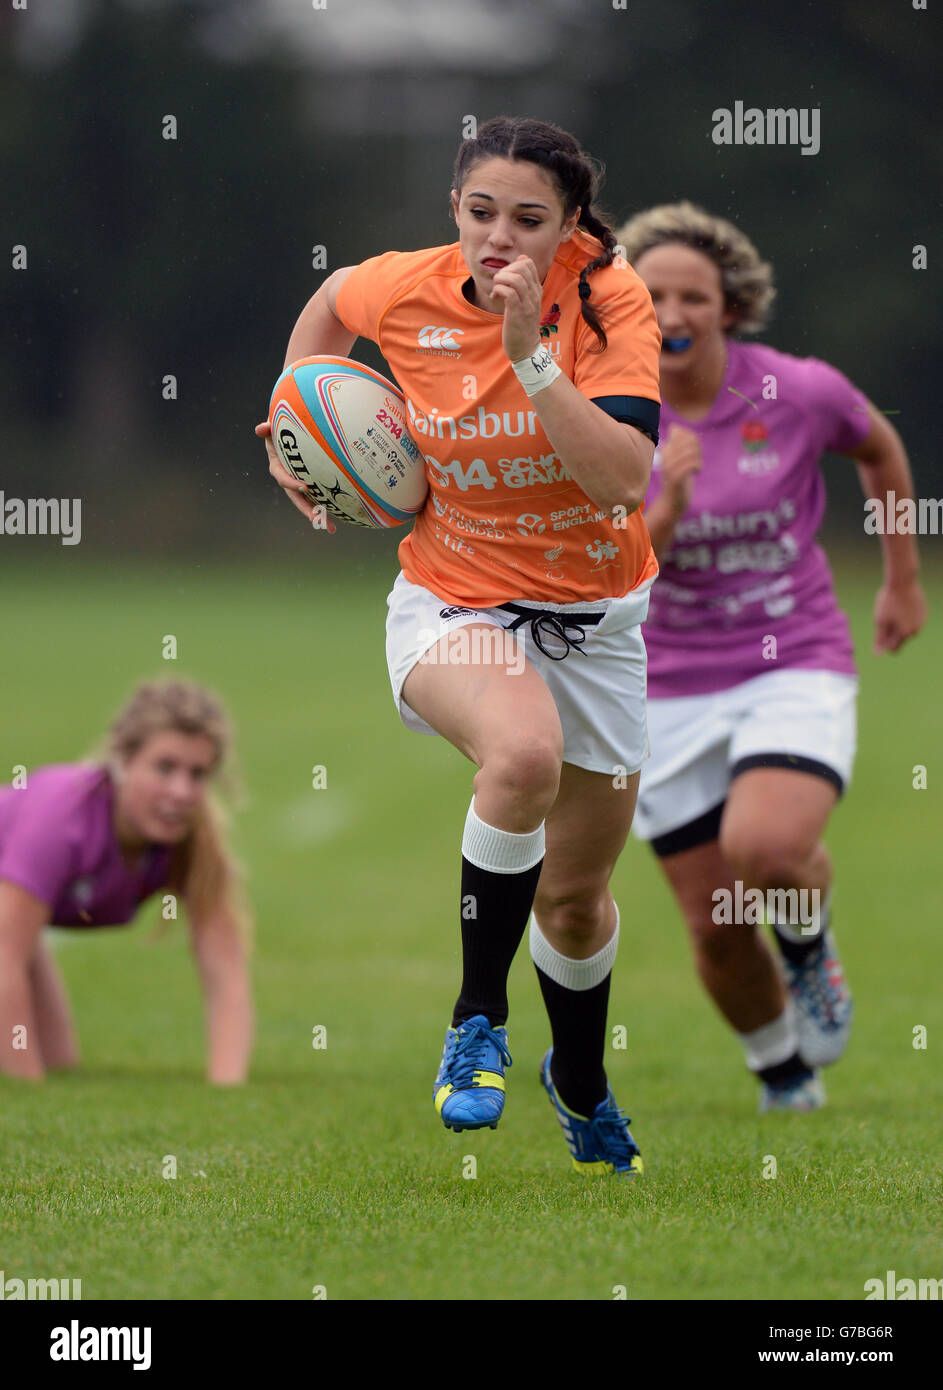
(503, 519)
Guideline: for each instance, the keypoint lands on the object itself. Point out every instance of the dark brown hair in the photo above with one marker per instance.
(575, 174)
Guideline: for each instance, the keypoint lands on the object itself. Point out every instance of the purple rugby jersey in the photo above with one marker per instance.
(743, 564)
(57, 842)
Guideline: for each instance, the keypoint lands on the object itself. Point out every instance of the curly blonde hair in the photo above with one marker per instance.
(747, 280)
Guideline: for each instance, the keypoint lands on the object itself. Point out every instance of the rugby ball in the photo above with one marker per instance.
(340, 429)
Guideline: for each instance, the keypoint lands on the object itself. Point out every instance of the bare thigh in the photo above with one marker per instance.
(772, 824)
(503, 718)
(479, 705)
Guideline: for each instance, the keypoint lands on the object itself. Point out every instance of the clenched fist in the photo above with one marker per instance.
(680, 459)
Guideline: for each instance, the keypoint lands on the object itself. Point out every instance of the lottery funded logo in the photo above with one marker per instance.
(552, 555)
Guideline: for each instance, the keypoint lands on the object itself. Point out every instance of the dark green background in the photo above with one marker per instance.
(193, 257)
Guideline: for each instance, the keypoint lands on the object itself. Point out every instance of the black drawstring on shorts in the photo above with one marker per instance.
(553, 625)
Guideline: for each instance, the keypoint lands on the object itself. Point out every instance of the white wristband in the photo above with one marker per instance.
(534, 373)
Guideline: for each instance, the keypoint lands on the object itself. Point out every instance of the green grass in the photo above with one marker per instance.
(329, 1167)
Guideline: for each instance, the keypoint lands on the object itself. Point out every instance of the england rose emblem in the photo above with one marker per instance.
(755, 435)
(548, 324)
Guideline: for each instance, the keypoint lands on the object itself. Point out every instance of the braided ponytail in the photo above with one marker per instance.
(575, 174)
(597, 228)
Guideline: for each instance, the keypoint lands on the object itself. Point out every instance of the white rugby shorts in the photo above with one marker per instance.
(599, 690)
(698, 740)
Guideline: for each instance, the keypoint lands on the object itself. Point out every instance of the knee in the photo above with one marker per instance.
(572, 919)
(526, 772)
(764, 861)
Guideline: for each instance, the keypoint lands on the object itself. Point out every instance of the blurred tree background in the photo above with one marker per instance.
(335, 124)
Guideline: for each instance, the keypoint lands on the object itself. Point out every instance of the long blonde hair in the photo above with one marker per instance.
(746, 279)
(203, 869)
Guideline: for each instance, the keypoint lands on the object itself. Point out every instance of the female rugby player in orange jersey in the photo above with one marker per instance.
(531, 524)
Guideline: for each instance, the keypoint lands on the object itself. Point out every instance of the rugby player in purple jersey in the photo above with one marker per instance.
(751, 673)
(83, 844)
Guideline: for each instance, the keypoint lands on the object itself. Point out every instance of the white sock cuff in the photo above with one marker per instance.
(500, 851)
(572, 974)
(772, 1042)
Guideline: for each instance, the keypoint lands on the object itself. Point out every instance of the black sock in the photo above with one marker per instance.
(495, 909)
(798, 952)
(578, 1025)
(784, 1071)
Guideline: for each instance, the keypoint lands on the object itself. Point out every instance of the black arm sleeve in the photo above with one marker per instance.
(632, 410)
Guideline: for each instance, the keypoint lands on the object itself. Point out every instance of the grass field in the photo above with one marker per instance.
(330, 1168)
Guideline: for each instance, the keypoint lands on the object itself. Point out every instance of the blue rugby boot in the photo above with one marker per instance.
(469, 1089)
(824, 1007)
(599, 1145)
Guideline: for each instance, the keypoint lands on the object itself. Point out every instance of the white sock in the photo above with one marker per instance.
(773, 1042)
(500, 851)
(572, 974)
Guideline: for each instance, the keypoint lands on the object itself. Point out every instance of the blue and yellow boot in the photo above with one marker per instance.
(599, 1145)
(469, 1089)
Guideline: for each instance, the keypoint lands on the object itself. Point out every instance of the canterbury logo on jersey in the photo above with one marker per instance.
(432, 337)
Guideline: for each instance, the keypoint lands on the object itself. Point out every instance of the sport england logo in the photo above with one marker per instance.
(530, 524)
(440, 340)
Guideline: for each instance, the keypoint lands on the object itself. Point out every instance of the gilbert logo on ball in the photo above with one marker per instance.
(340, 429)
